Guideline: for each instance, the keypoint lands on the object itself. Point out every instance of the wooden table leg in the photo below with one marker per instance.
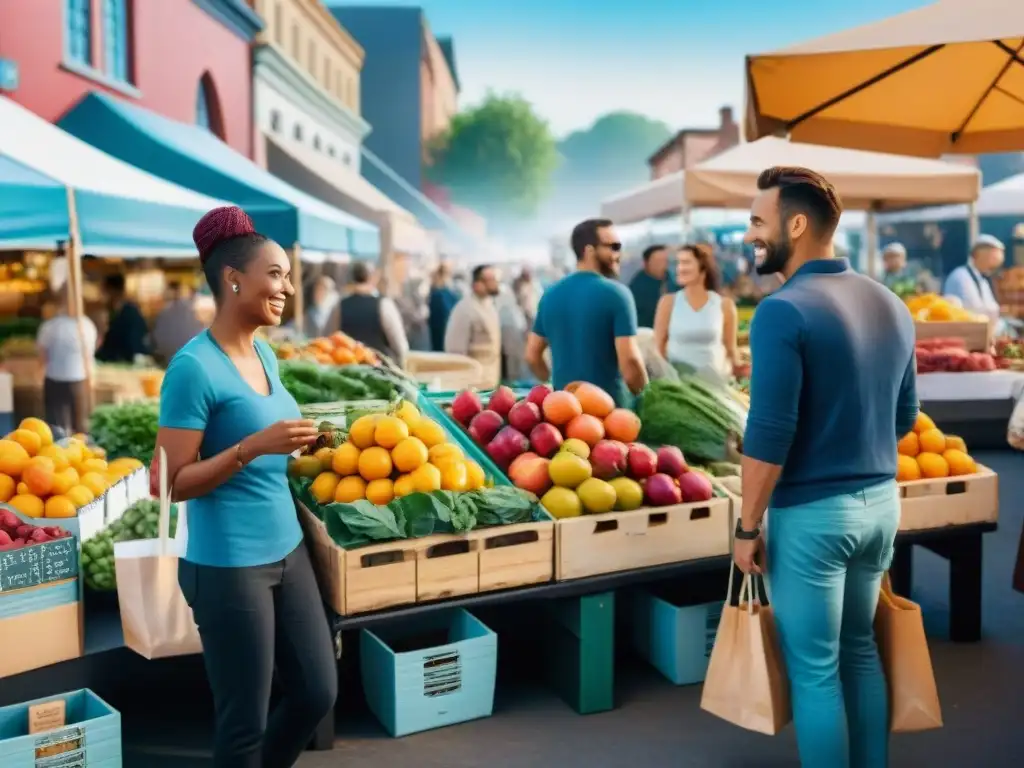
(965, 563)
(901, 572)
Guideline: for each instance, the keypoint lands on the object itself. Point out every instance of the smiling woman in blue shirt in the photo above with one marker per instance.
(227, 425)
(832, 386)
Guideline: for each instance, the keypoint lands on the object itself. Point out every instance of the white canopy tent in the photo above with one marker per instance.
(869, 181)
(1004, 198)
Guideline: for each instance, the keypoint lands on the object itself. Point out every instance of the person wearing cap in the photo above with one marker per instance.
(970, 283)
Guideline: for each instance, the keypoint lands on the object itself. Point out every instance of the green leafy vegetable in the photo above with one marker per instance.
(126, 430)
(691, 415)
(311, 383)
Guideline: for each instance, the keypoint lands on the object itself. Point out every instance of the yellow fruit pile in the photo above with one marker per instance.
(41, 479)
(387, 457)
(926, 452)
(931, 308)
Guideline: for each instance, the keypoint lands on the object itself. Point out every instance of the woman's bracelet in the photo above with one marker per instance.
(238, 456)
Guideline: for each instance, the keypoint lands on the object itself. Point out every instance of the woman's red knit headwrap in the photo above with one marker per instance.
(218, 225)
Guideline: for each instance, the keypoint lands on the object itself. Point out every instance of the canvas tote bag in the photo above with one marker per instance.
(155, 618)
(746, 681)
(913, 695)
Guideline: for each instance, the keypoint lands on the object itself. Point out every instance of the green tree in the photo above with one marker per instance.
(496, 158)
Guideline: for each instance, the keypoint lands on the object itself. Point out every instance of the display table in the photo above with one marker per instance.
(975, 406)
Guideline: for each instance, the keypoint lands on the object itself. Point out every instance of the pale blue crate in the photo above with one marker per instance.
(675, 639)
(6, 423)
(90, 723)
(418, 690)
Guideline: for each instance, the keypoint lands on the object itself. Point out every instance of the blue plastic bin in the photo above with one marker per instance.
(92, 733)
(675, 639)
(413, 688)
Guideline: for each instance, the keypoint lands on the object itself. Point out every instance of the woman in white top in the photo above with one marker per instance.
(695, 328)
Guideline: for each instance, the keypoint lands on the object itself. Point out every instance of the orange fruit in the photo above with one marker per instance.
(923, 422)
(375, 464)
(28, 505)
(409, 455)
(429, 431)
(907, 469)
(426, 479)
(80, 495)
(345, 460)
(380, 491)
(64, 480)
(475, 477)
(22, 489)
(324, 487)
(561, 408)
(404, 485)
(13, 457)
(932, 441)
(95, 482)
(57, 455)
(587, 428)
(594, 400)
(38, 475)
(8, 485)
(27, 439)
(622, 425)
(342, 356)
(352, 488)
(960, 463)
(908, 445)
(326, 457)
(75, 451)
(59, 506)
(361, 433)
(390, 431)
(932, 465)
(408, 413)
(445, 452)
(93, 465)
(955, 443)
(454, 476)
(40, 427)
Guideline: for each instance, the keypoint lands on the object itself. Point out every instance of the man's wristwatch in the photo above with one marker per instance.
(745, 535)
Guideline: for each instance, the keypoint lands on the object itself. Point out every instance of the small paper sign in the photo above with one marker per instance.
(47, 716)
(117, 501)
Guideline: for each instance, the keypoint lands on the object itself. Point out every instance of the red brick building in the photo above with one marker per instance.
(189, 60)
(694, 145)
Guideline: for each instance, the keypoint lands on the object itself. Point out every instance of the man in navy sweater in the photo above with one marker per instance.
(832, 388)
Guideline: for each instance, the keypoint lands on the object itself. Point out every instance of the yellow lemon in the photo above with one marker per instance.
(390, 431)
(40, 427)
(352, 488)
(27, 439)
(408, 413)
(380, 491)
(429, 431)
(59, 507)
(95, 482)
(55, 454)
(28, 505)
(13, 457)
(65, 480)
(404, 485)
(454, 476)
(345, 460)
(326, 457)
(443, 452)
(324, 487)
(94, 465)
(475, 477)
(80, 495)
(362, 430)
(409, 455)
(426, 479)
(7, 487)
(375, 463)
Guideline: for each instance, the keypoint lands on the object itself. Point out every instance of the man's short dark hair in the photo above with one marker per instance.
(361, 273)
(478, 272)
(651, 250)
(802, 190)
(585, 233)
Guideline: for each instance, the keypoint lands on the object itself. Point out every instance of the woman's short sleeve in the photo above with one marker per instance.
(186, 398)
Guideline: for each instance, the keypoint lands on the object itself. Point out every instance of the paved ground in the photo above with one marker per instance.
(657, 724)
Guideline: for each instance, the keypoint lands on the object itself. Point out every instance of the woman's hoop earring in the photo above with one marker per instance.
(234, 287)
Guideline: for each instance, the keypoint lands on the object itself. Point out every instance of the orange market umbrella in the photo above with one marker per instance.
(944, 79)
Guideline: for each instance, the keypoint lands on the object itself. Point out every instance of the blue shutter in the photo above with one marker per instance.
(115, 39)
(78, 31)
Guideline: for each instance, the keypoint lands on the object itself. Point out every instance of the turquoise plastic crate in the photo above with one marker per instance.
(92, 730)
(412, 688)
(6, 423)
(675, 639)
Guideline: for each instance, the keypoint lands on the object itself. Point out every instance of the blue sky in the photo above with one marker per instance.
(675, 60)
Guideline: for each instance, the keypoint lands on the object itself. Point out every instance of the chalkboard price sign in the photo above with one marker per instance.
(38, 564)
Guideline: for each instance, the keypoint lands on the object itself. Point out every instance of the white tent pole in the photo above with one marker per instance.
(871, 241)
(76, 300)
(973, 222)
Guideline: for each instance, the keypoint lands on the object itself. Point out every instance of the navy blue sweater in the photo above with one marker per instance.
(833, 383)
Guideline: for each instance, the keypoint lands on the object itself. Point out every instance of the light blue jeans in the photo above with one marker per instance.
(825, 566)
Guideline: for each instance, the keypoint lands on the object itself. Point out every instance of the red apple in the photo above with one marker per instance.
(695, 486)
(465, 406)
(661, 490)
(531, 475)
(545, 439)
(485, 426)
(524, 416)
(507, 445)
(641, 461)
(671, 461)
(538, 393)
(608, 458)
(502, 400)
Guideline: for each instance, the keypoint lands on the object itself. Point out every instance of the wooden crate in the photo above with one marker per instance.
(977, 334)
(431, 568)
(928, 504)
(621, 541)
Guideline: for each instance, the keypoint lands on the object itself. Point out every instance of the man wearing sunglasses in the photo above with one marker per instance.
(589, 321)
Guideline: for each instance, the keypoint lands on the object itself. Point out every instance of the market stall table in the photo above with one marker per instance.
(976, 406)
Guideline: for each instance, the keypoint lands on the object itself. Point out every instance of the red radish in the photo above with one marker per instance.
(695, 486)
(39, 535)
(506, 446)
(465, 406)
(485, 426)
(608, 458)
(537, 395)
(661, 490)
(546, 439)
(524, 416)
(501, 401)
(671, 461)
(641, 461)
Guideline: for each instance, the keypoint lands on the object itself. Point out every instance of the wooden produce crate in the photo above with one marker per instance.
(928, 504)
(591, 545)
(431, 568)
(443, 370)
(977, 334)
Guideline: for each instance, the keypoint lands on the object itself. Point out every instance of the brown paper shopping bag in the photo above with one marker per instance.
(913, 695)
(155, 618)
(746, 681)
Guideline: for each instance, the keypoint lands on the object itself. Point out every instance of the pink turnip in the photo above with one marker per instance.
(465, 406)
(485, 426)
(661, 490)
(546, 439)
(695, 486)
(524, 416)
(502, 400)
(537, 394)
(671, 461)
(641, 461)
(608, 458)
(506, 446)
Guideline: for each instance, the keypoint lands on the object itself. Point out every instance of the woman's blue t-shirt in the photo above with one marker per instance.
(250, 519)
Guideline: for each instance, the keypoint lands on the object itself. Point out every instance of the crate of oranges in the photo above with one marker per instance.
(940, 483)
(397, 510)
